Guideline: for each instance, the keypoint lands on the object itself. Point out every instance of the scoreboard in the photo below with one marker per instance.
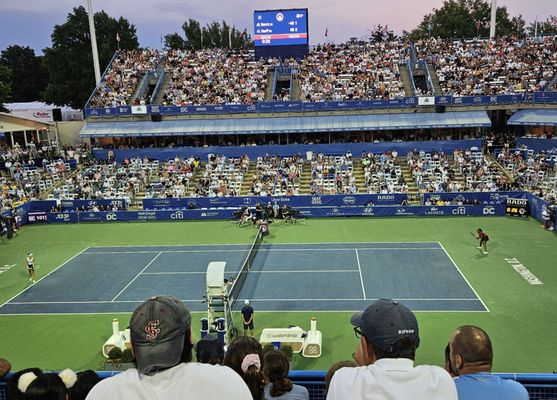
(280, 27)
(516, 207)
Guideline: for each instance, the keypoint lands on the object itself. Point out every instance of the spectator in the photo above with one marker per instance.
(334, 368)
(244, 355)
(85, 382)
(209, 350)
(5, 367)
(48, 386)
(279, 386)
(12, 390)
(471, 359)
(161, 342)
(389, 337)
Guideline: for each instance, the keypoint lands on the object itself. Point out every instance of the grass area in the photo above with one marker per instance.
(521, 321)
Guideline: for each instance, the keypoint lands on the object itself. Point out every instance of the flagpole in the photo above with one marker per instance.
(94, 43)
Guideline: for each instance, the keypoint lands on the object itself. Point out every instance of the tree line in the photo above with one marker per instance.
(64, 74)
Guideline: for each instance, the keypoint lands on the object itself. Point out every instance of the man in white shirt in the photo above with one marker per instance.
(161, 342)
(389, 337)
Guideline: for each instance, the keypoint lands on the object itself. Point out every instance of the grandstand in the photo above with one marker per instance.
(438, 131)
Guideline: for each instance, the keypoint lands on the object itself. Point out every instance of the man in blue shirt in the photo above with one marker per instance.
(471, 360)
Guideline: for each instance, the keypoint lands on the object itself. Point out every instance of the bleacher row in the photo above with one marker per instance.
(221, 176)
(351, 71)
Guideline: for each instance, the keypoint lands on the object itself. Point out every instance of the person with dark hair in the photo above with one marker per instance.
(334, 368)
(471, 359)
(209, 350)
(279, 386)
(50, 386)
(483, 238)
(12, 390)
(160, 331)
(86, 380)
(245, 356)
(389, 337)
(5, 367)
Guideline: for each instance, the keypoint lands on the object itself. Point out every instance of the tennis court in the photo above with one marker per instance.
(283, 277)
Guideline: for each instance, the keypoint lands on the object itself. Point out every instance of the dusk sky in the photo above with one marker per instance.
(30, 22)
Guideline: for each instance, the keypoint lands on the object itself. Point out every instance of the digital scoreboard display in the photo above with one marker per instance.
(280, 27)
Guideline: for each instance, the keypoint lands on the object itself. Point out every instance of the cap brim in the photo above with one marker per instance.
(162, 355)
(356, 319)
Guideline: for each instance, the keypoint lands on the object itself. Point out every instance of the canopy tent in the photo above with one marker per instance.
(291, 124)
(545, 117)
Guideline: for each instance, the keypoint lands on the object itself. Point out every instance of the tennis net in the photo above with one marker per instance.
(242, 275)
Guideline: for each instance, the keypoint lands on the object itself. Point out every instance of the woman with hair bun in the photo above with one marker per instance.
(279, 386)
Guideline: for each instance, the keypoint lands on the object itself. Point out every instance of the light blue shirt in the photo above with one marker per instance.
(297, 393)
(486, 386)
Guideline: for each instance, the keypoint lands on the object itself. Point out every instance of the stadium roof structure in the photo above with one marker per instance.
(290, 124)
(11, 123)
(545, 117)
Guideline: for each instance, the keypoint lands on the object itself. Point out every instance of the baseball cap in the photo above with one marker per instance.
(157, 330)
(386, 321)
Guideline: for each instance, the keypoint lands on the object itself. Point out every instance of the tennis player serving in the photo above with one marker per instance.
(483, 238)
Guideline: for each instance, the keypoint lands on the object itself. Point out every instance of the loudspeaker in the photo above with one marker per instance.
(440, 109)
(57, 114)
(156, 118)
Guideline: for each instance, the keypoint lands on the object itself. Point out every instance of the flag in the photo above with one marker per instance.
(117, 37)
(326, 32)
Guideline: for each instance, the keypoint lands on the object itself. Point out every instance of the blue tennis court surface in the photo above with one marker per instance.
(284, 277)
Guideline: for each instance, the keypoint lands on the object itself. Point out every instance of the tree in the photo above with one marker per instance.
(70, 61)
(466, 19)
(5, 86)
(213, 35)
(30, 77)
(174, 41)
(547, 27)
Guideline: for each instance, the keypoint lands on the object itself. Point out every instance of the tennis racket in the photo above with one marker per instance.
(472, 233)
(37, 266)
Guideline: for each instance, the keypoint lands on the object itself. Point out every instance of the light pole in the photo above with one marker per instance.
(94, 42)
(493, 23)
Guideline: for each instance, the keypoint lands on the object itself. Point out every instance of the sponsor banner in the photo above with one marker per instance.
(61, 217)
(71, 205)
(37, 217)
(426, 101)
(293, 201)
(484, 198)
(516, 207)
(545, 97)
(139, 110)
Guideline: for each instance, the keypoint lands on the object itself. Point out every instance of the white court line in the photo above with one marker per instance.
(466, 280)
(360, 270)
(199, 300)
(176, 273)
(137, 276)
(262, 248)
(308, 271)
(55, 269)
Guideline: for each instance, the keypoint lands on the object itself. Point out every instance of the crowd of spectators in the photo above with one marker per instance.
(214, 76)
(223, 176)
(481, 174)
(382, 174)
(490, 67)
(332, 174)
(276, 176)
(123, 78)
(354, 71)
(432, 171)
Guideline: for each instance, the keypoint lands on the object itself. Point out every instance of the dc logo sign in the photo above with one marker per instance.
(111, 217)
(489, 211)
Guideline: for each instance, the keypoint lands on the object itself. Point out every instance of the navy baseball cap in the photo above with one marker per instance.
(386, 321)
(158, 327)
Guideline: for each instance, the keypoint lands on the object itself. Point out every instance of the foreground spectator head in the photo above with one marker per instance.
(50, 386)
(245, 356)
(5, 367)
(471, 359)
(389, 337)
(334, 368)
(12, 390)
(161, 341)
(85, 382)
(161, 334)
(276, 370)
(209, 350)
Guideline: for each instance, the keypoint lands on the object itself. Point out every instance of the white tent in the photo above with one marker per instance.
(42, 112)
